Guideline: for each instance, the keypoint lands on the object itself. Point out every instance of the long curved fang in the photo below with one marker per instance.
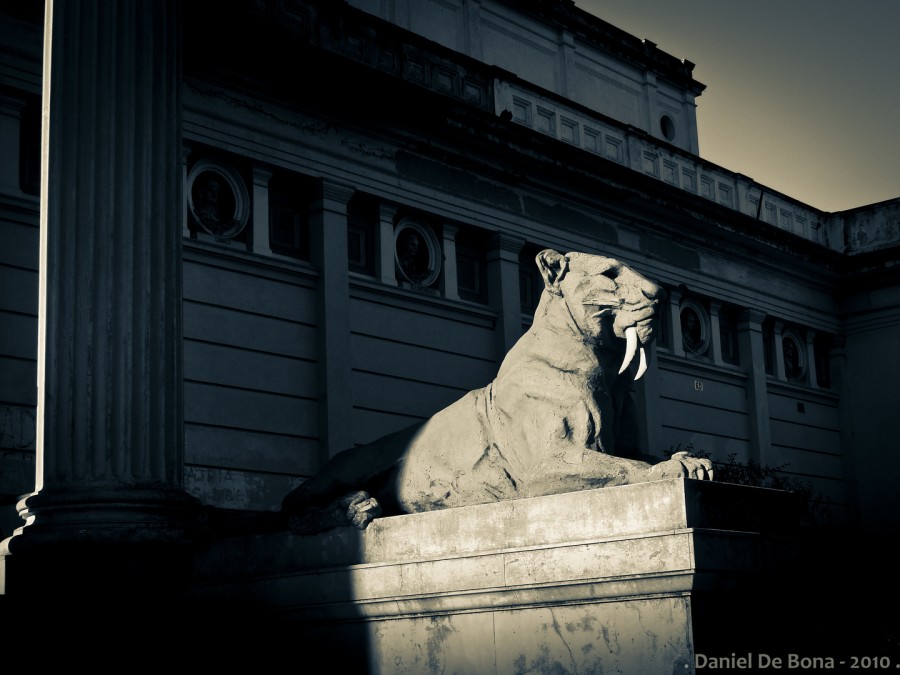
(631, 342)
(642, 367)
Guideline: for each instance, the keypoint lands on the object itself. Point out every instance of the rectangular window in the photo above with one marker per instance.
(471, 264)
(468, 274)
(286, 231)
(728, 336)
(357, 251)
(663, 335)
(531, 283)
(30, 147)
(822, 344)
(289, 196)
(768, 334)
(362, 225)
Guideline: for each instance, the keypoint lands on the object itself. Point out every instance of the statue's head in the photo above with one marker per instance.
(604, 296)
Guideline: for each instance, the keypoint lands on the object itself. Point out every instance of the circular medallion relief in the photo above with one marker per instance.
(794, 352)
(694, 327)
(417, 252)
(218, 199)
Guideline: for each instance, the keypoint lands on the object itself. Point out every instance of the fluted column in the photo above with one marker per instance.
(109, 421)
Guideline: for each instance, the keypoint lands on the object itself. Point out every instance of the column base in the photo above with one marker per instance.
(115, 546)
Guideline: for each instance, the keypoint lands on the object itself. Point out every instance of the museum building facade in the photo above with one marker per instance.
(336, 209)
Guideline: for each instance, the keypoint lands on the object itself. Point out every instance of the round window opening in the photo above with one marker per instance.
(667, 126)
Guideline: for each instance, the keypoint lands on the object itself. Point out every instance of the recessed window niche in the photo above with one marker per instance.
(417, 254)
(794, 353)
(695, 330)
(667, 127)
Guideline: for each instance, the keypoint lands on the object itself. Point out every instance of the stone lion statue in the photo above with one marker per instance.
(558, 416)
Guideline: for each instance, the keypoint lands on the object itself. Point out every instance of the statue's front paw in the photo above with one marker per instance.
(360, 508)
(683, 465)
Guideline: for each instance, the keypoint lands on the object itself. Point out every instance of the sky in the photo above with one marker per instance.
(802, 96)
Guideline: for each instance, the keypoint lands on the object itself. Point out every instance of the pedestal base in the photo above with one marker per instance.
(595, 581)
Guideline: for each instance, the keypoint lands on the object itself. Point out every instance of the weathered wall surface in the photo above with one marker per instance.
(250, 390)
(20, 86)
(871, 370)
(412, 357)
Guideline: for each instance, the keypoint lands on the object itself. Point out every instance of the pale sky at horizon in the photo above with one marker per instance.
(802, 96)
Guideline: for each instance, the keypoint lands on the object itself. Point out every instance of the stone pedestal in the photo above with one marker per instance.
(605, 580)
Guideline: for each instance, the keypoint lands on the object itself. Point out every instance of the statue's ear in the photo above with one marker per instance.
(553, 267)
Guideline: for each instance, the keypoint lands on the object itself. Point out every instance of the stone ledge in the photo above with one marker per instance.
(637, 537)
(621, 579)
(586, 516)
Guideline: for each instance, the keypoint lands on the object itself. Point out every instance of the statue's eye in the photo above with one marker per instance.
(611, 273)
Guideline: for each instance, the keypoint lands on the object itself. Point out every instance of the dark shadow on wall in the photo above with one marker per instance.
(137, 607)
(271, 597)
(824, 614)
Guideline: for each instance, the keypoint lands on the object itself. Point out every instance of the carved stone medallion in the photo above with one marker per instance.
(417, 253)
(794, 353)
(217, 199)
(694, 328)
